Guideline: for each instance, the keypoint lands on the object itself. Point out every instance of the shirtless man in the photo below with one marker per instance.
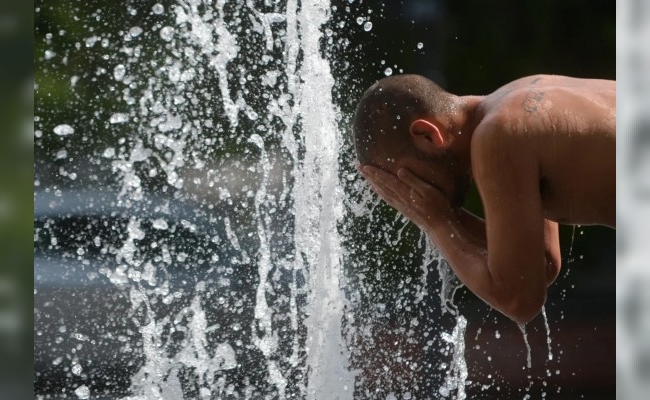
(541, 151)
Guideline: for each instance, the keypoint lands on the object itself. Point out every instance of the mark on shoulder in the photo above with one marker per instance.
(533, 97)
(532, 100)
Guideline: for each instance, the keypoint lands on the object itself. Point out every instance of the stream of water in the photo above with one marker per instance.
(276, 97)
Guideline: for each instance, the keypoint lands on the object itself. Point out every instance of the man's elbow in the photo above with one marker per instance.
(523, 307)
(553, 266)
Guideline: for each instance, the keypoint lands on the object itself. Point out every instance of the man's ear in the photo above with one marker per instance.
(426, 136)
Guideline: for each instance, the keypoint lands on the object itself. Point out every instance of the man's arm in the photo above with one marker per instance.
(475, 227)
(517, 289)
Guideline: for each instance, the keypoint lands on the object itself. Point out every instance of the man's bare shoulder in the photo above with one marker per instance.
(547, 81)
(530, 89)
(550, 105)
(497, 144)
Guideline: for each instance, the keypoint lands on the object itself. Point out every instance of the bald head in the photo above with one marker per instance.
(387, 109)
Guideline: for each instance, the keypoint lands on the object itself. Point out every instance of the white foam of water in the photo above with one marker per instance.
(164, 140)
(267, 341)
(158, 378)
(327, 353)
(457, 372)
(231, 234)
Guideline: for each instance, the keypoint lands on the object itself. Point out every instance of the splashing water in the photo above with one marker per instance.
(457, 373)
(522, 328)
(548, 334)
(222, 139)
(223, 151)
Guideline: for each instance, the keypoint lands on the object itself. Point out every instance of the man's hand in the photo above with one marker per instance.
(417, 200)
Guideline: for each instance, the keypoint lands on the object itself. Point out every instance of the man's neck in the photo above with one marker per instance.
(471, 115)
(463, 125)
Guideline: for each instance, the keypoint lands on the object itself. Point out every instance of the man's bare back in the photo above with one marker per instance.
(571, 124)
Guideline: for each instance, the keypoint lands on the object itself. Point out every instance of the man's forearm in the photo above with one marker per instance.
(461, 237)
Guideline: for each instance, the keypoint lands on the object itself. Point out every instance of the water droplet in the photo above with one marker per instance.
(61, 154)
(160, 224)
(82, 392)
(118, 72)
(360, 20)
(118, 118)
(420, 45)
(388, 71)
(109, 152)
(80, 337)
(158, 8)
(90, 42)
(367, 26)
(167, 33)
(135, 31)
(63, 130)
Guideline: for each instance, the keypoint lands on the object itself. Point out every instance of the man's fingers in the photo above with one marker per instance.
(413, 181)
(377, 183)
(382, 178)
(395, 192)
(383, 191)
(373, 172)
